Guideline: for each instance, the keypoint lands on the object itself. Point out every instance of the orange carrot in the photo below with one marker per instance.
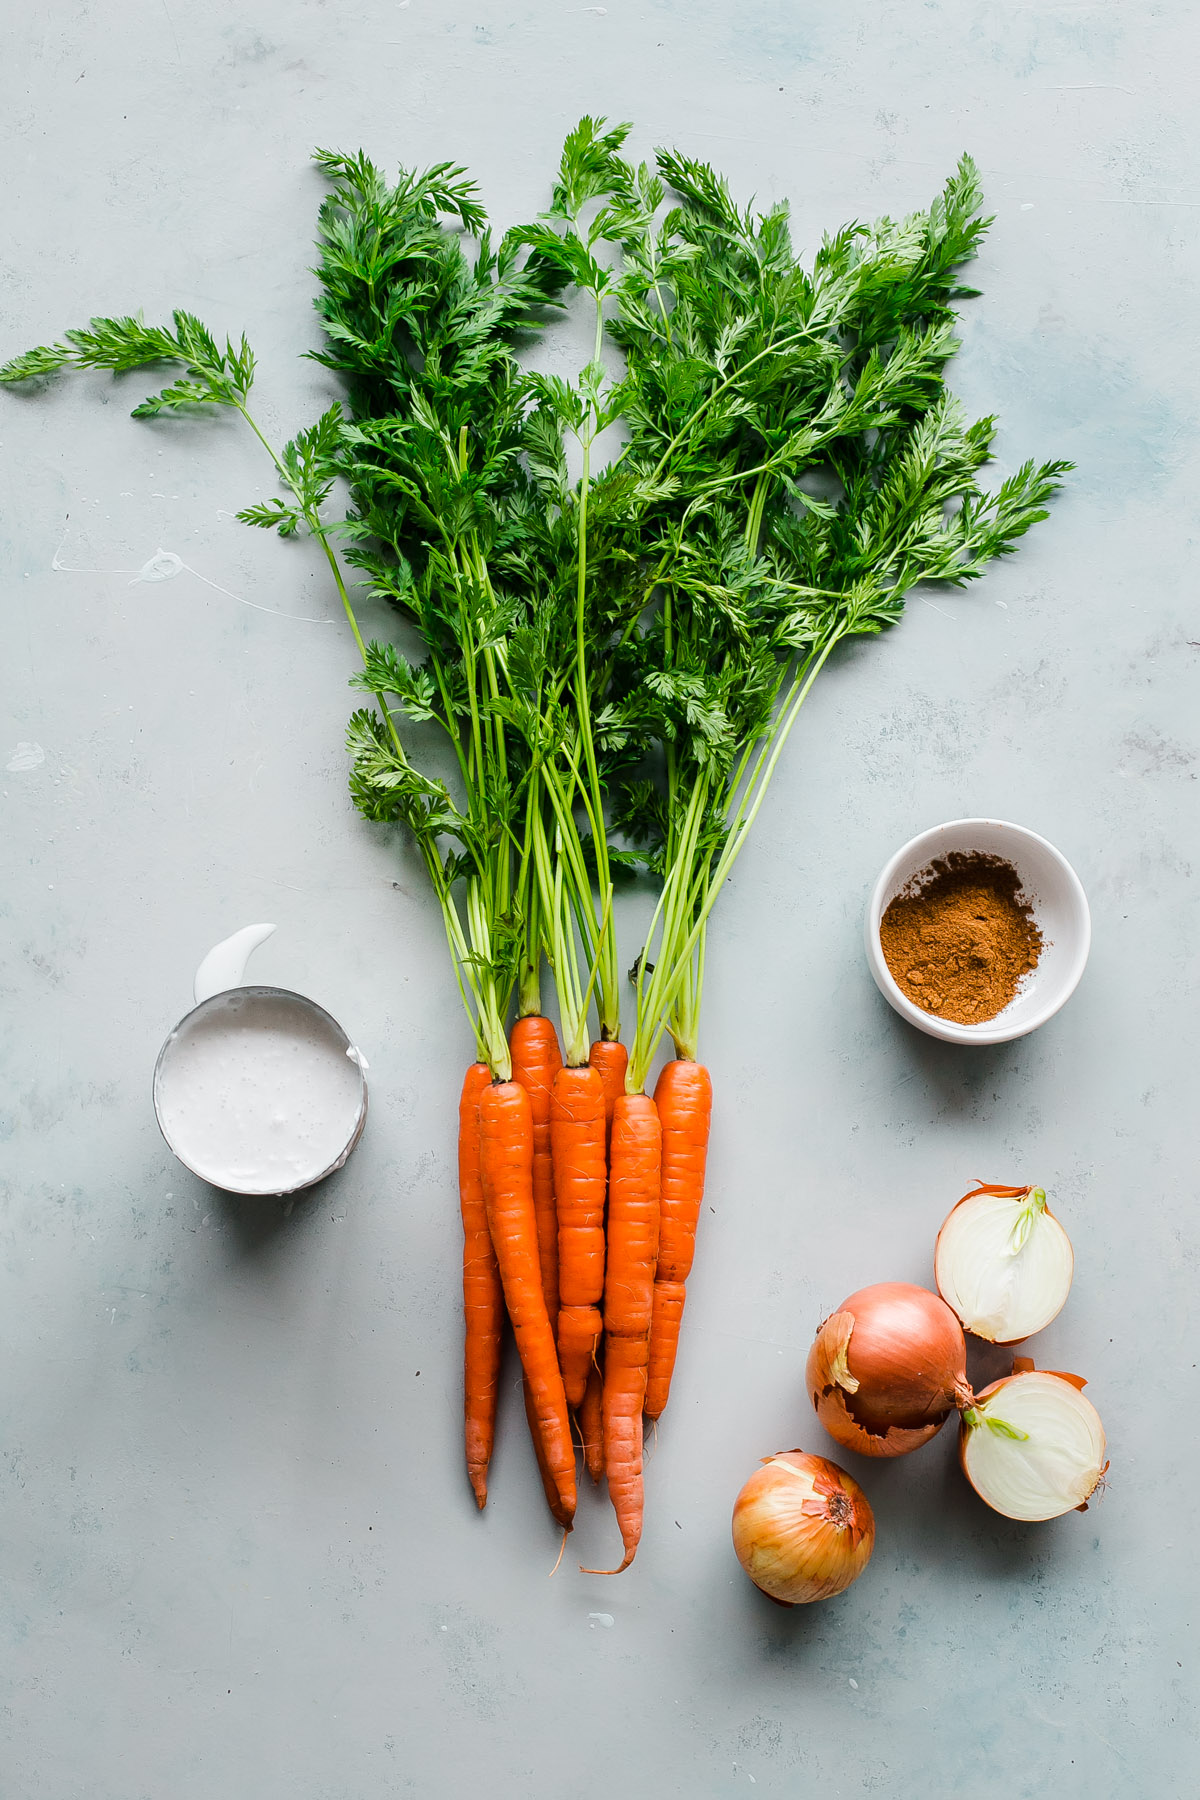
(683, 1096)
(536, 1059)
(590, 1421)
(577, 1142)
(506, 1165)
(483, 1299)
(544, 1470)
(633, 1199)
(611, 1059)
(624, 1390)
(579, 1331)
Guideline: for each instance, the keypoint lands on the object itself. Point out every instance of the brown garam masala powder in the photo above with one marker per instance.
(960, 937)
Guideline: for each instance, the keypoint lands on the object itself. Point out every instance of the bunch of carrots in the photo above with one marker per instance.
(596, 668)
(580, 1203)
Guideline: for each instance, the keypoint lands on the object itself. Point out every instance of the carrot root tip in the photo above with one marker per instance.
(619, 1570)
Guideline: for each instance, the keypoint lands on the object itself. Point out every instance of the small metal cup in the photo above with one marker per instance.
(226, 963)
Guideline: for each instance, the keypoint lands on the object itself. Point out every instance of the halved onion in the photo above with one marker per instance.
(1031, 1445)
(1003, 1262)
(802, 1528)
(887, 1368)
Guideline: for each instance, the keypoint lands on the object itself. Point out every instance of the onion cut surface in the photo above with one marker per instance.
(1031, 1446)
(1003, 1263)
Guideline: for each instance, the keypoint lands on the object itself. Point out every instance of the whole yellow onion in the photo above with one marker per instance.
(802, 1528)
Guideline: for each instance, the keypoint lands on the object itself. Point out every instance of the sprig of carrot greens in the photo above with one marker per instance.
(458, 472)
(570, 237)
(807, 467)
(424, 338)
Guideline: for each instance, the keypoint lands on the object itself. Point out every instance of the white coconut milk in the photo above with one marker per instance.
(257, 1092)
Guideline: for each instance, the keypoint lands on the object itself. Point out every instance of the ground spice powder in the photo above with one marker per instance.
(960, 937)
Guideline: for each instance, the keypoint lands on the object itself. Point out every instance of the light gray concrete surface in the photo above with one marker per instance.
(239, 1553)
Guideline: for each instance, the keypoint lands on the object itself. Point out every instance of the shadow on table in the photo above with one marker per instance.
(964, 1079)
(255, 1224)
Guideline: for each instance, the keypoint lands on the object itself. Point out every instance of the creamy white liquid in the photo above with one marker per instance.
(225, 965)
(257, 1093)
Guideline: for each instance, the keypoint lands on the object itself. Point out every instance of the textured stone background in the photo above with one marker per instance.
(239, 1555)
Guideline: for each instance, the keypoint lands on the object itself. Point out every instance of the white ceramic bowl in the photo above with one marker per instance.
(1060, 910)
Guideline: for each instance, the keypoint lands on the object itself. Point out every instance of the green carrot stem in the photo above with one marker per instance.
(479, 997)
(677, 951)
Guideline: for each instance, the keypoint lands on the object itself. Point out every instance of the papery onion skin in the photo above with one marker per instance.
(845, 1430)
(887, 1368)
(803, 1529)
(1055, 1246)
(1086, 1424)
